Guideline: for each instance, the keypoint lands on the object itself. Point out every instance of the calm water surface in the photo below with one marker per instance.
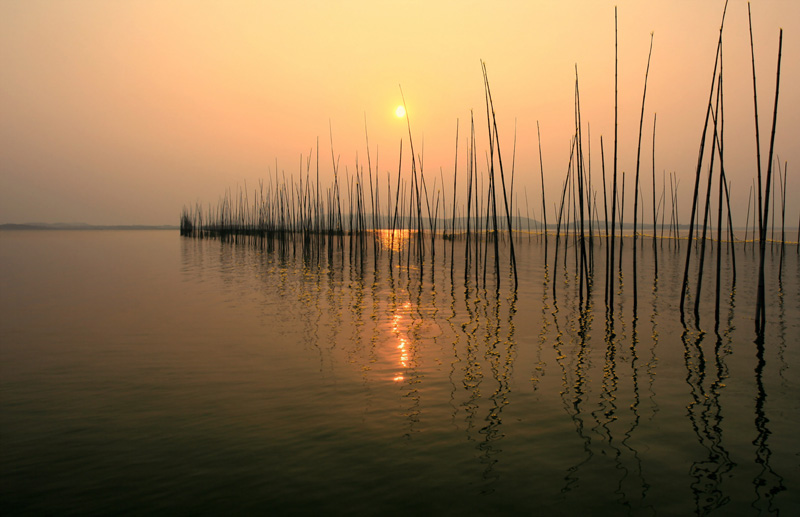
(141, 372)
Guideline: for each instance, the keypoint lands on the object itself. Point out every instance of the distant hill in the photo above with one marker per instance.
(82, 226)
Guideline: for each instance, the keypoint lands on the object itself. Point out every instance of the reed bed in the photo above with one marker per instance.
(301, 213)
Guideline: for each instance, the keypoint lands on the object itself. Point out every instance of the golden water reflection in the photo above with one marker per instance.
(449, 353)
(403, 353)
(393, 240)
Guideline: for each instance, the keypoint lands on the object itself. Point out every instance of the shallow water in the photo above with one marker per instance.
(142, 372)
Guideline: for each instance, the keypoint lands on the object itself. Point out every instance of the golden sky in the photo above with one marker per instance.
(124, 112)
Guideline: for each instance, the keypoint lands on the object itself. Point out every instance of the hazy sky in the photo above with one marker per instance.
(124, 112)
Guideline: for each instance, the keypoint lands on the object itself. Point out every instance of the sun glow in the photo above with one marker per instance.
(393, 240)
(400, 112)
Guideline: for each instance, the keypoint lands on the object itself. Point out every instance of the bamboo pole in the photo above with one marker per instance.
(699, 169)
(541, 172)
(761, 301)
(655, 208)
(639, 148)
(610, 304)
(490, 105)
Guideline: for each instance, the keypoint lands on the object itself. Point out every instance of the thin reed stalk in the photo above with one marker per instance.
(699, 169)
(609, 268)
(655, 208)
(496, 140)
(639, 147)
(761, 299)
(541, 172)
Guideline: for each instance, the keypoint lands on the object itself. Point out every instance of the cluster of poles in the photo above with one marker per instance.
(714, 120)
(300, 212)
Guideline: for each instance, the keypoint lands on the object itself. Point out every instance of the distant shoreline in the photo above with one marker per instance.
(81, 226)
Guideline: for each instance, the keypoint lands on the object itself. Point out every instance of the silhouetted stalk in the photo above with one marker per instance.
(761, 302)
(747, 223)
(772, 217)
(369, 168)
(591, 197)
(572, 212)
(610, 306)
(639, 152)
(318, 201)
(583, 267)
(720, 145)
(756, 220)
(415, 181)
(662, 206)
(708, 198)
(513, 168)
(622, 221)
(455, 190)
(541, 172)
(396, 203)
(502, 181)
(428, 206)
(528, 214)
(491, 217)
(337, 226)
(378, 216)
(443, 193)
(563, 197)
(655, 209)
(755, 109)
(677, 212)
(478, 200)
(434, 224)
(561, 210)
(699, 170)
(605, 211)
(730, 228)
(783, 215)
(470, 150)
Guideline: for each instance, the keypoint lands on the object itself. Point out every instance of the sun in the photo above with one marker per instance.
(400, 112)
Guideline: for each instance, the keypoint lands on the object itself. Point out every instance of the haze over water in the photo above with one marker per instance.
(281, 355)
(123, 112)
(142, 372)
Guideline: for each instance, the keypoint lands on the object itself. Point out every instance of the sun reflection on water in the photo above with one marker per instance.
(393, 240)
(403, 345)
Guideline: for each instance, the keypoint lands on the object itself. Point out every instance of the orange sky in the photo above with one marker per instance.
(123, 112)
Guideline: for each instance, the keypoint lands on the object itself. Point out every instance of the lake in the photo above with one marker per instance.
(142, 372)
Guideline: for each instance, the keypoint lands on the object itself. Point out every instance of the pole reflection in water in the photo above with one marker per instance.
(539, 366)
(768, 483)
(574, 406)
(636, 416)
(704, 417)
